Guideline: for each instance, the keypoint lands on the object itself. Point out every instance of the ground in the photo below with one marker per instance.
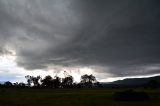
(70, 97)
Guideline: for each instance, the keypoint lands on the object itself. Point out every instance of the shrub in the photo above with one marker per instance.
(131, 95)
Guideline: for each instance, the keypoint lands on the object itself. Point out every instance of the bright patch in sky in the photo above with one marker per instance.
(9, 71)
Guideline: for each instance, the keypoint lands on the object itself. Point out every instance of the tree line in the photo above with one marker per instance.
(87, 81)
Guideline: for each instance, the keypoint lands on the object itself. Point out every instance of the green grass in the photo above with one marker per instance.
(69, 97)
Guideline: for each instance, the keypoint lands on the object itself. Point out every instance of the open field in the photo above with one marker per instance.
(70, 97)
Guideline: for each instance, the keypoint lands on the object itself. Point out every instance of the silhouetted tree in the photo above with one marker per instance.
(15, 84)
(29, 80)
(48, 82)
(77, 85)
(87, 80)
(8, 84)
(67, 81)
(36, 81)
(21, 85)
(33, 80)
(56, 82)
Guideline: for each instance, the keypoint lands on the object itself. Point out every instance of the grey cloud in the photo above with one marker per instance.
(5, 51)
(120, 35)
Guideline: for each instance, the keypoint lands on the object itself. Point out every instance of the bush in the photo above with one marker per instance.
(131, 95)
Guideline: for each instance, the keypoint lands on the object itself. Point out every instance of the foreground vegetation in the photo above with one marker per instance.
(71, 97)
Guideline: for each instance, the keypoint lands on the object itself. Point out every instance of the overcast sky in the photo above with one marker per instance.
(107, 38)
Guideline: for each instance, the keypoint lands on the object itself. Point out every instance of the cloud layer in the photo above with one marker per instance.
(121, 38)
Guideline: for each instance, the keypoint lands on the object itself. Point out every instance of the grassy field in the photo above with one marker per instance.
(70, 97)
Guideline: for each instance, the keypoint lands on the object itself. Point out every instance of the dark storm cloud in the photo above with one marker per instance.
(121, 37)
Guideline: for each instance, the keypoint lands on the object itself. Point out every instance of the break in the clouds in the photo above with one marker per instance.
(116, 37)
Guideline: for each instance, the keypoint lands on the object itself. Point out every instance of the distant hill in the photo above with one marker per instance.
(132, 81)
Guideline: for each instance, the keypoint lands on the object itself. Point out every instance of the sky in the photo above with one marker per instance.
(111, 39)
